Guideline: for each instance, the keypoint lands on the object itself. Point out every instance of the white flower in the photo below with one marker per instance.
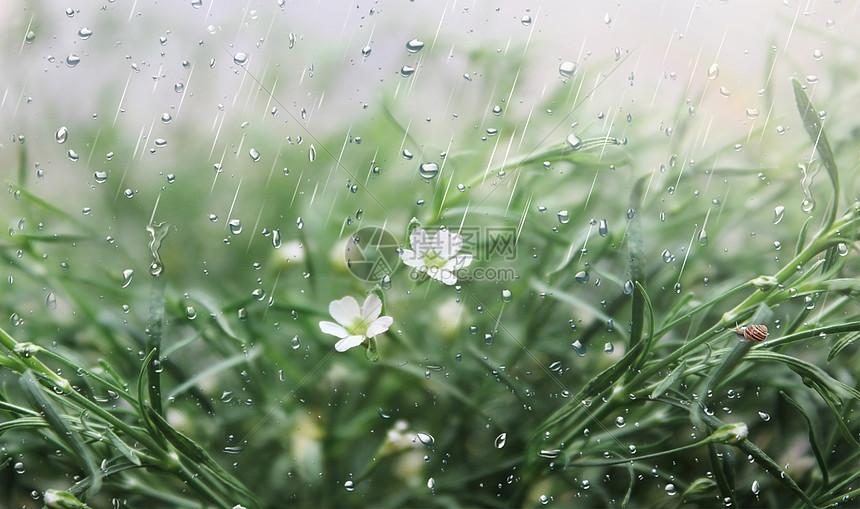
(436, 256)
(355, 324)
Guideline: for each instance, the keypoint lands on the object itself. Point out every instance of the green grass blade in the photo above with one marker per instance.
(815, 129)
(813, 441)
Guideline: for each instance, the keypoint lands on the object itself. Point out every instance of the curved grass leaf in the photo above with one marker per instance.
(815, 129)
(813, 442)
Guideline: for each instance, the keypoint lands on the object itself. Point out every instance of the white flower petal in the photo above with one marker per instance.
(333, 329)
(348, 342)
(420, 242)
(458, 262)
(345, 311)
(447, 244)
(435, 273)
(371, 309)
(447, 277)
(417, 263)
(380, 325)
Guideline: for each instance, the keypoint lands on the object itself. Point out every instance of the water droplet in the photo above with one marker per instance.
(426, 439)
(725, 92)
(713, 72)
(563, 216)
(567, 69)
(235, 226)
(667, 256)
(702, 239)
(807, 205)
(809, 302)
(500, 440)
(30, 37)
(73, 156)
(841, 249)
(581, 277)
(677, 287)
(19, 468)
(190, 312)
(630, 213)
(526, 20)
(777, 245)
(628, 287)
(295, 343)
(507, 296)
(431, 483)
(752, 113)
(299, 223)
(166, 118)
(61, 135)
(255, 156)
(585, 484)
(755, 488)
(51, 301)
(574, 142)
(72, 60)
(428, 170)
(312, 153)
(543, 499)
(603, 228)
(549, 453)
(608, 347)
(276, 238)
(240, 58)
(414, 46)
(778, 213)
(578, 347)
(670, 490)
(489, 339)
(780, 130)
(85, 33)
(349, 485)
(365, 51)
(127, 275)
(407, 71)
(765, 417)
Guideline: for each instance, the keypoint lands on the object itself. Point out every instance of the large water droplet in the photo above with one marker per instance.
(573, 141)
(426, 439)
(567, 69)
(312, 153)
(51, 301)
(778, 214)
(127, 275)
(414, 46)
(240, 58)
(578, 347)
(702, 238)
(507, 296)
(581, 277)
(61, 135)
(407, 71)
(628, 287)
(603, 228)
(428, 170)
(713, 72)
(563, 216)
(500, 440)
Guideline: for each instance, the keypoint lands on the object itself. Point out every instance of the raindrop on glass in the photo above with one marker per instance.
(574, 142)
(414, 46)
(240, 58)
(61, 135)
(127, 275)
(778, 214)
(563, 216)
(603, 228)
(428, 170)
(500, 440)
(567, 69)
(713, 72)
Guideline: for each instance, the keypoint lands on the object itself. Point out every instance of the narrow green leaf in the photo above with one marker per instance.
(813, 442)
(801, 237)
(66, 434)
(841, 344)
(123, 448)
(815, 129)
(669, 380)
